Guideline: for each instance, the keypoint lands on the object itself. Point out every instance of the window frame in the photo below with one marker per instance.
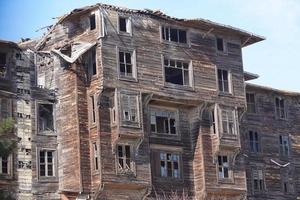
(163, 27)
(190, 72)
(48, 132)
(93, 108)
(90, 63)
(128, 21)
(230, 177)
(6, 73)
(235, 121)
(92, 16)
(251, 103)
(179, 161)
(132, 168)
(95, 156)
(133, 64)
(54, 159)
(9, 107)
(225, 46)
(263, 184)
(175, 111)
(229, 77)
(127, 123)
(9, 166)
(257, 144)
(278, 115)
(282, 151)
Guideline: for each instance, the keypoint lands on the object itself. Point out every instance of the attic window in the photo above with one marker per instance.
(92, 22)
(173, 34)
(220, 44)
(45, 115)
(124, 24)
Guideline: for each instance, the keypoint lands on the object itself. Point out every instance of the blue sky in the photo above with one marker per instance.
(275, 59)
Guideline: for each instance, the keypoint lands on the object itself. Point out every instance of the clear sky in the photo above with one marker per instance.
(275, 59)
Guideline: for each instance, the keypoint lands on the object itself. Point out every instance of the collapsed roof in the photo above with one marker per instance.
(247, 38)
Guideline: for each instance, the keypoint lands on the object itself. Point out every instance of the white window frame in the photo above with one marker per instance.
(133, 64)
(234, 121)
(103, 25)
(229, 74)
(170, 112)
(129, 123)
(164, 170)
(46, 163)
(128, 21)
(222, 166)
(163, 27)
(128, 169)
(225, 48)
(190, 71)
(9, 166)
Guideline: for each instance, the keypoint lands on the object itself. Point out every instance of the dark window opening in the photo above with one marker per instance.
(45, 117)
(176, 72)
(67, 50)
(163, 122)
(280, 108)
(95, 152)
(284, 145)
(3, 65)
(93, 109)
(92, 22)
(223, 166)
(250, 103)
(123, 24)
(4, 169)
(254, 142)
(19, 56)
(220, 44)
(173, 34)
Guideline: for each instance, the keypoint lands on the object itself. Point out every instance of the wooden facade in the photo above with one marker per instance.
(122, 127)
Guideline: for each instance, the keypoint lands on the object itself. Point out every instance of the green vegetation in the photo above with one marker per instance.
(8, 140)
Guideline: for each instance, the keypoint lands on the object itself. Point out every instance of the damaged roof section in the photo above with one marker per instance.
(247, 38)
(72, 52)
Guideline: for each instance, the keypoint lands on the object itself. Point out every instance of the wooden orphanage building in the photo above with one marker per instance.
(135, 104)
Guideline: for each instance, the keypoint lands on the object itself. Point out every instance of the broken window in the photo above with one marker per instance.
(125, 162)
(177, 72)
(220, 44)
(91, 62)
(284, 145)
(95, 154)
(280, 108)
(5, 108)
(169, 165)
(173, 34)
(258, 180)
(223, 80)
(163, 122)
(45, 117)
(223, 167)
(4, 165)
(254, 142)
(250, 97)
(3, 67)
(229, 122)
(93, 109)
(124, 24)
(126, 64)
(46, 163)
(92, 21)
(129, 104)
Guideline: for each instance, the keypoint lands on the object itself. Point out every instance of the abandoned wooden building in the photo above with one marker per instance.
(117, 103)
